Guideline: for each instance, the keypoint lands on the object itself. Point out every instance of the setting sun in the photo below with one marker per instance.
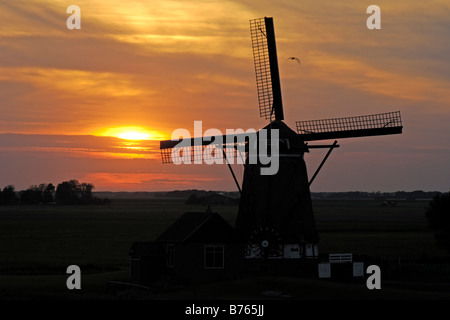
(134, 135)
(131, 133)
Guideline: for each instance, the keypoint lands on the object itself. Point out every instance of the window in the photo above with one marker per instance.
(170, 255)
(214, 257)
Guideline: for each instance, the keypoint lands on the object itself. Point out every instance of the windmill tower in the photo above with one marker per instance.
(275, 218)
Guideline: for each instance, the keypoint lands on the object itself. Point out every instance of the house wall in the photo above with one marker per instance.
(146, 269)
(190, 263)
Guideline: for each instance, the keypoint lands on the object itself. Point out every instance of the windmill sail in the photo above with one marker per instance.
(232, 147)
(360, 126)
(266, 68)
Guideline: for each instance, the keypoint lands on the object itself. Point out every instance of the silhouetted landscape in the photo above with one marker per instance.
(74, 192)
(40, 241)
(349, 195)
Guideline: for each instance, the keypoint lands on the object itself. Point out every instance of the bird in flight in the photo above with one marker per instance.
(294, 58)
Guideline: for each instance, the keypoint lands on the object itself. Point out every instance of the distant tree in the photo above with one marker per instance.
(32, 195)
(47, 192)
(438, 215)
(9, 195)
(73, 192)
(85, 192)
(67, 192)
(38, 194)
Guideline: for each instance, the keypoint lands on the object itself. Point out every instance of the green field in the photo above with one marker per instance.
(37, 243)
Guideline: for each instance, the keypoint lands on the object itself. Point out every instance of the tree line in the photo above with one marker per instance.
(66, 193)
(438, 215)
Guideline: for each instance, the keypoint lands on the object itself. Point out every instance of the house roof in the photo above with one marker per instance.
(187, 225)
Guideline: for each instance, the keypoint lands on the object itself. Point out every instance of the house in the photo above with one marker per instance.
(199, 246)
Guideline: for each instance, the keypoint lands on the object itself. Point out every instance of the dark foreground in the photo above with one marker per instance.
(38, 243)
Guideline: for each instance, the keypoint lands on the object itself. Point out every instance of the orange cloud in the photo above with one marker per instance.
(91, 147)
(87, 83)
(361, 75)
(146, 181)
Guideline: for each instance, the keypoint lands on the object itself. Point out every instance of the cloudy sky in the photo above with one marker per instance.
(66, 96)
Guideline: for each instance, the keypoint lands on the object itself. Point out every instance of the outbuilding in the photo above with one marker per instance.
(199, 246)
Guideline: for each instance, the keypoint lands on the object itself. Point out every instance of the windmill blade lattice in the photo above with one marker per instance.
(266, 68)
(201, 149)
(349, 127)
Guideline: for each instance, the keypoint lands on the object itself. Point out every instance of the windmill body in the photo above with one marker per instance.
(275, 217)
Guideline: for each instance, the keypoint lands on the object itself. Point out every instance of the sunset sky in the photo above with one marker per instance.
(68, 98)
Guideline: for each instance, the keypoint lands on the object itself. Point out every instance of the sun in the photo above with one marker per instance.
(131, 133)
(134, 135)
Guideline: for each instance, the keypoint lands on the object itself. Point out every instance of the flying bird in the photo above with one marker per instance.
(294, 58)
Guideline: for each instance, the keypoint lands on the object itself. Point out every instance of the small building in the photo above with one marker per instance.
(199, 246)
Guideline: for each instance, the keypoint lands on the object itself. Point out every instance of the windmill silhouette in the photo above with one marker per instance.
(275, 216)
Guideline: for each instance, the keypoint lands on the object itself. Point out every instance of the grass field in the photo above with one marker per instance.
(37, 243)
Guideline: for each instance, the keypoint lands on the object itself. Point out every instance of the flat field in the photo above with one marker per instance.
(37, 243)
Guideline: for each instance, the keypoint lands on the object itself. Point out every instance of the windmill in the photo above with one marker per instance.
(275, 217)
